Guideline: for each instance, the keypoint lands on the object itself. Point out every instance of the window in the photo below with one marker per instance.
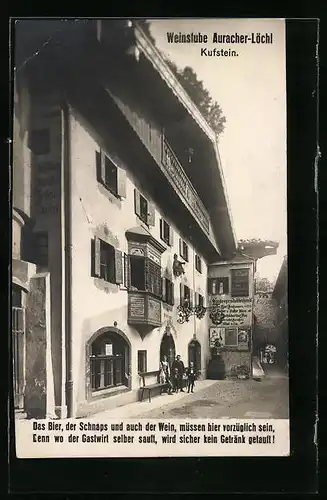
(141, 361)
(166, 233)
(145, 275)
(231, 337)
(198, 263)
(183, 250)
(42, 249)
(106, 262)
(40, 141)
(16, 296)
(109, 175)
(240, 283)
(144, 209)
(199, 299)
(108, 362)
(168, 291)
(218, 286)
(185, 295)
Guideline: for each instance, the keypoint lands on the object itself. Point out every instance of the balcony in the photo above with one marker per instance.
(156, 144)
(144, 310)
(177, 176)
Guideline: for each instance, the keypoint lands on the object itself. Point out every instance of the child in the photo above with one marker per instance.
(191, 377)
(175, 380)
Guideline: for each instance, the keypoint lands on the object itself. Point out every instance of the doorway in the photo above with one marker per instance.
(167, 348)
(194, 354)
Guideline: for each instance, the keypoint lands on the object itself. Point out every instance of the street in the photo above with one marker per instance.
(267, 398)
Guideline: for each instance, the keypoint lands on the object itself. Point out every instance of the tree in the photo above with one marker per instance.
(200, 96)
(263, 285)
(195, 89)
(145, 25)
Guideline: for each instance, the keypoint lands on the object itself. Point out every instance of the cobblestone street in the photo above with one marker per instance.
(267, 398)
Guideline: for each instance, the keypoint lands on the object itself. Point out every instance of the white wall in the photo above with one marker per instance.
(95, 308)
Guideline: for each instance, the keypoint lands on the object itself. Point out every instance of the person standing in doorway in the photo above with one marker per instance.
(191, 377)
(164, 374)
(178, 366)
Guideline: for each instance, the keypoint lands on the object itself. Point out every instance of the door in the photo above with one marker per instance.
(194, 354)
(167, 348)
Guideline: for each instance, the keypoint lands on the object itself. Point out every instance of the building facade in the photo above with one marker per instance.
(127, 211)
(232, 301)
(231, 288)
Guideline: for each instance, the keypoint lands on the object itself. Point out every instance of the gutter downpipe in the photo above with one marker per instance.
(68, 256)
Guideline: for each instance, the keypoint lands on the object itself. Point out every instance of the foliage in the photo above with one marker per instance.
(263, 285)
(195, 89)
(145, 25)
(200, 96)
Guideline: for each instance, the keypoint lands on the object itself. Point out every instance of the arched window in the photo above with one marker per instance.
(109, 362)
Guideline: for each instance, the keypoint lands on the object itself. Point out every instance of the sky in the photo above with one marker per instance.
(251, 90)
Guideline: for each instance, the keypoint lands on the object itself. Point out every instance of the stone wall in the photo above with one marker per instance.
(235, 358)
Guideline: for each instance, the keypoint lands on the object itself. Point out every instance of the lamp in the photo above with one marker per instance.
(216, 312)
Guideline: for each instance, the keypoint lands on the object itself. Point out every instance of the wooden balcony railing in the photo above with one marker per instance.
(158, 147)
(180, 180)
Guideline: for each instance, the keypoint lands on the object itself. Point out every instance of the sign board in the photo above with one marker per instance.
(236, 312)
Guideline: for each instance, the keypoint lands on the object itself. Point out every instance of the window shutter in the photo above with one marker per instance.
(172, 296)
(118, 267)
(151, 214)
(137, 202)
(161, 229)
(121, 182)
(163, 289)
(226, 285)
(101, 166)
(171, 236)
(210, 285)
(196, 299)
(97, 250)
(127, 280)
(181, 293)
(180, 247)
(98, 165)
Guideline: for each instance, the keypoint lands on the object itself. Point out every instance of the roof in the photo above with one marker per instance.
(117, 37)
(257, 248)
